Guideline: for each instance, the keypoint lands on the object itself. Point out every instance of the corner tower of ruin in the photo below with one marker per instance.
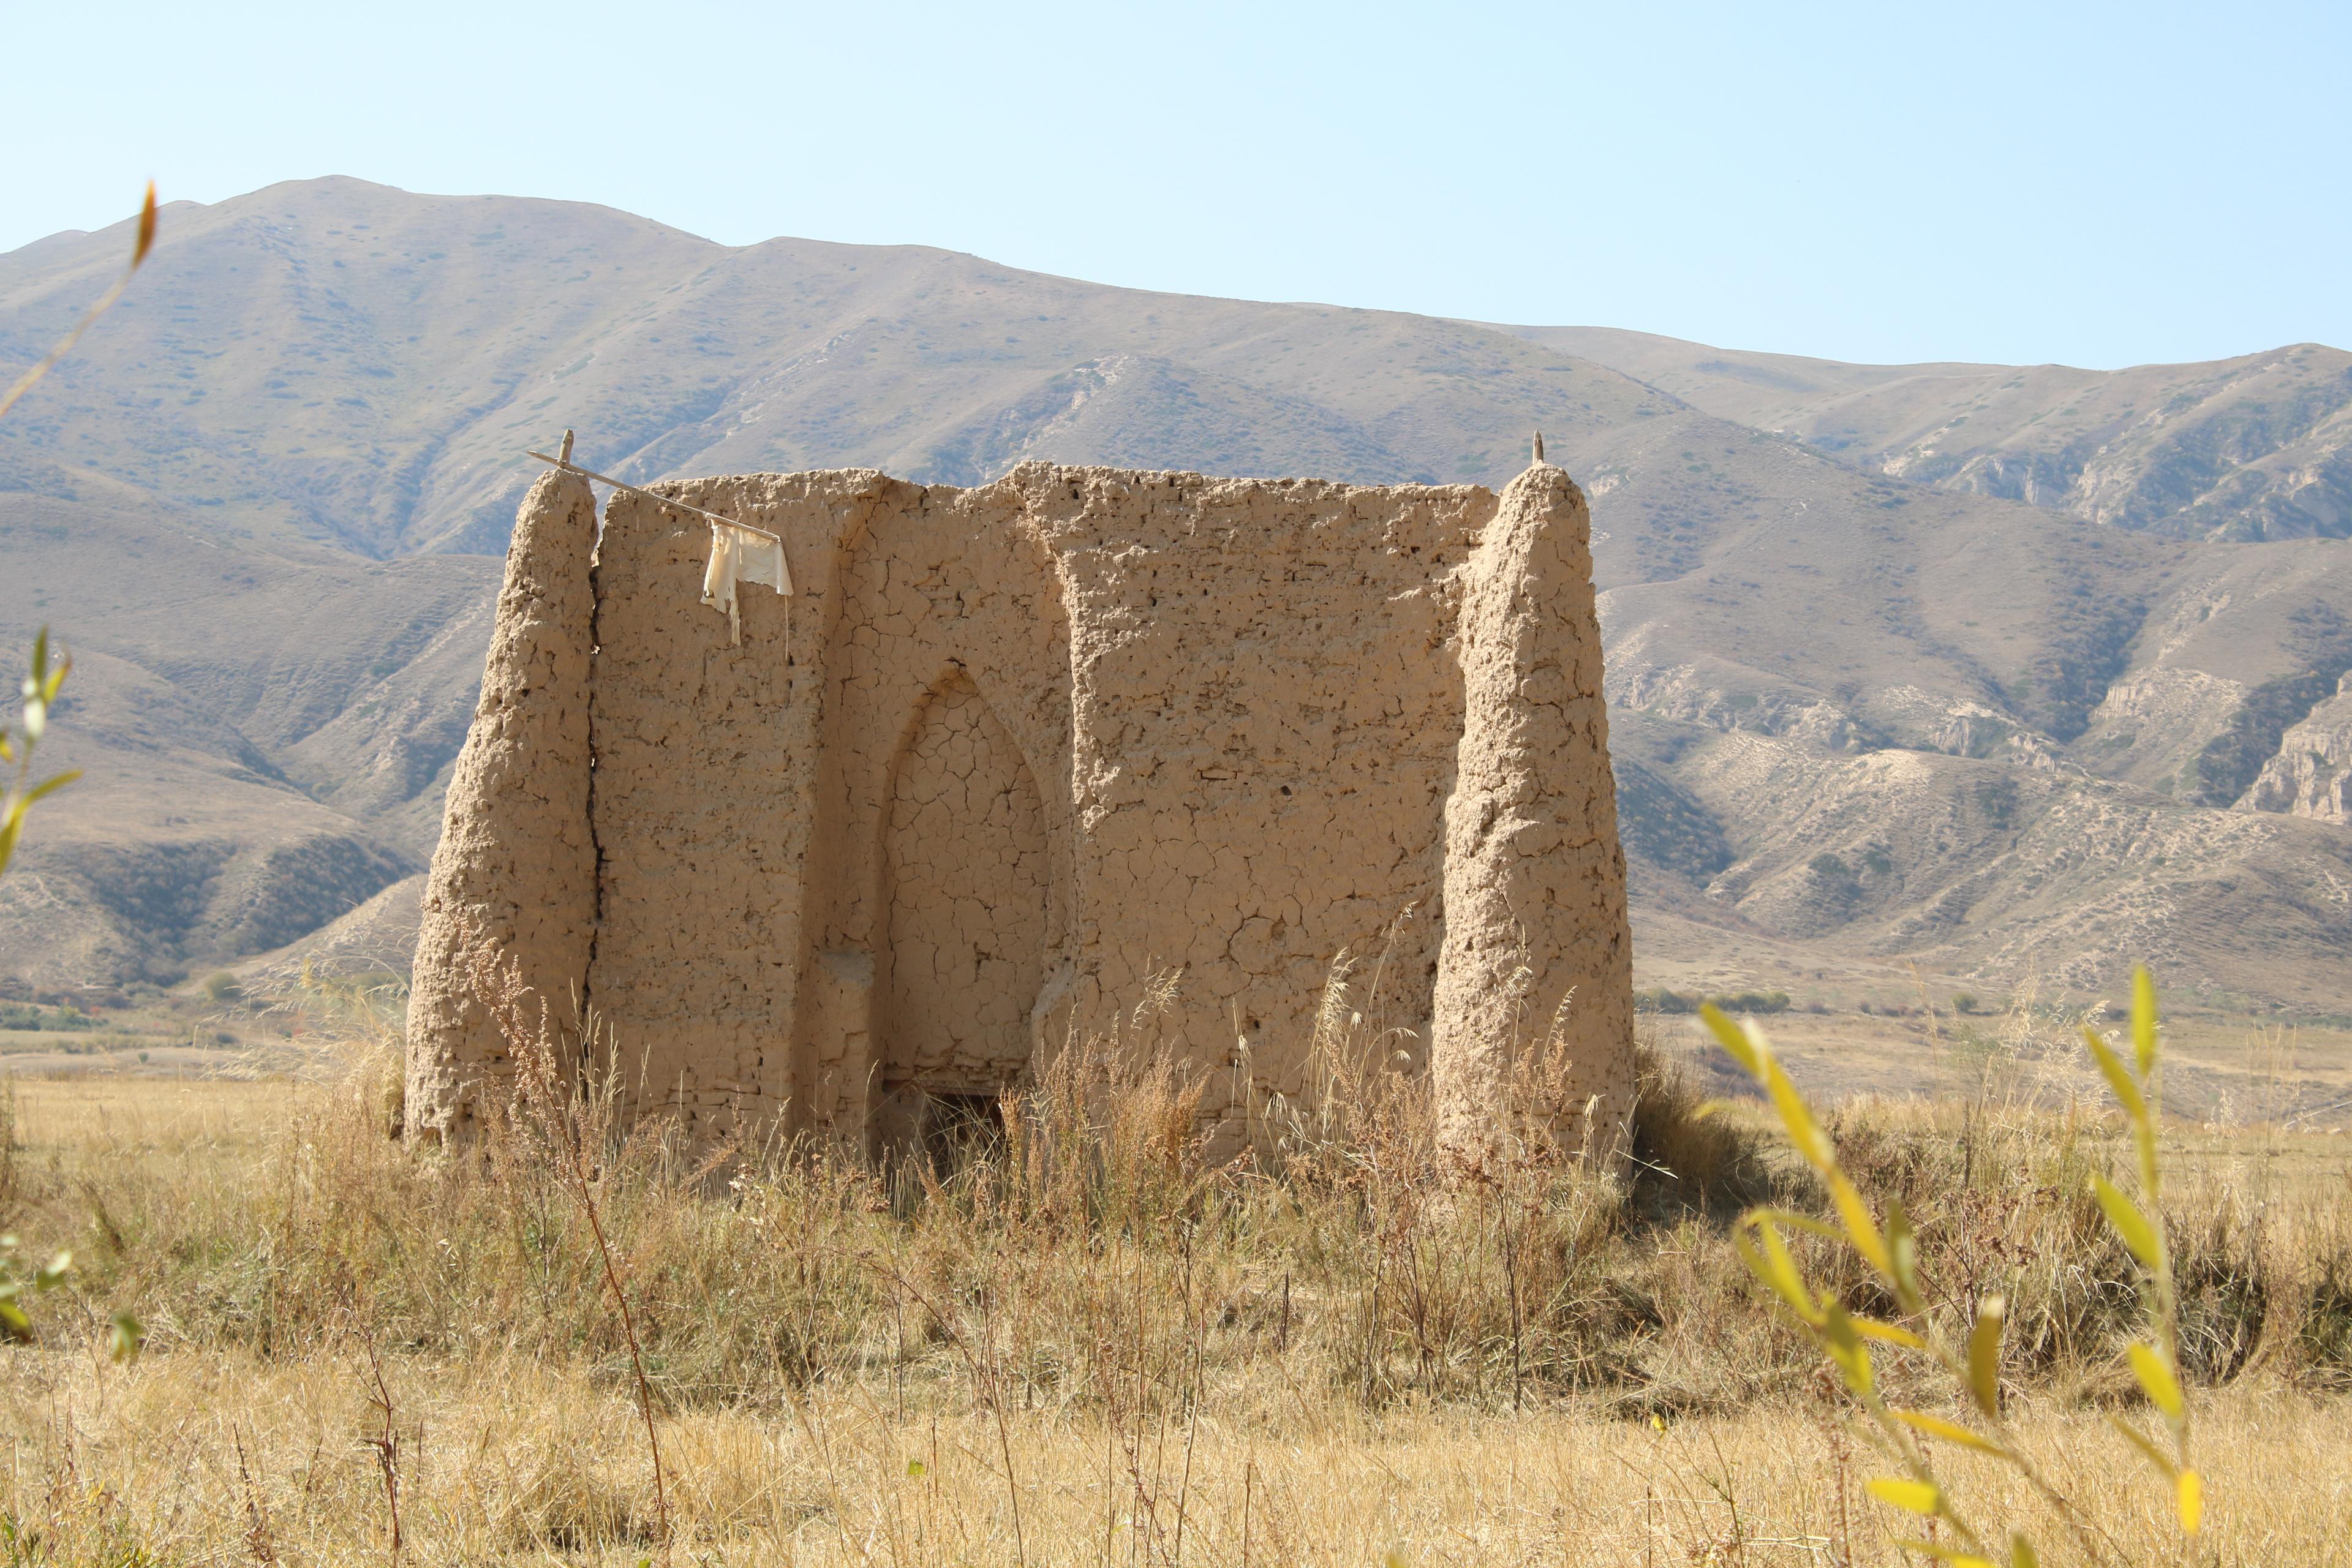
(1536, 970)
(516, 869)
(1012, 759)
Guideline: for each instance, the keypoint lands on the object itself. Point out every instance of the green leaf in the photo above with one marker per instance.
(1797, 1118)
(51, 786)
(1795, 1221)
(2154, 1369)
(2142, 1020)
(1984, 1354)
(1778, 1270)
(126, 1337)
(1903, 1249)
(1747, 1043)
(2118, 1076)
(2129, 1223)
(52, 1277)
(2146, 1444)
(51, 681)
(1845, 1348)
(1950, 1431)
(2021, 1551)
(1733, 1037)
(1861, 1227)
(1887, 1333)
(1912, 1497)
(917, 1468)
(13, 1324)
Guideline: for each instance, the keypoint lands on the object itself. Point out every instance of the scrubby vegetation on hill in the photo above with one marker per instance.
(1664, 999)
(2231, 760)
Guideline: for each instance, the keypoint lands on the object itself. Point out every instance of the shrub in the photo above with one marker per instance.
(1660, 999)
(1879, 1264)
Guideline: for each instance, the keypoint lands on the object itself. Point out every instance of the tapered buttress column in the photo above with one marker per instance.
(1535, 879)
(516, 869)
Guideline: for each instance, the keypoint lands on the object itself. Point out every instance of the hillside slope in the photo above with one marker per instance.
(2254, 447)
(1970, 666)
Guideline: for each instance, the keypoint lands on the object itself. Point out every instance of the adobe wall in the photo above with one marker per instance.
(515, 867)
(1011, 751)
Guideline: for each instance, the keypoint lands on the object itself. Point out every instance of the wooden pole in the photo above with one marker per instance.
(568, 466)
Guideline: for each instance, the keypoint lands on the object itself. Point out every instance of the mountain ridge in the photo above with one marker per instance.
(261, 505)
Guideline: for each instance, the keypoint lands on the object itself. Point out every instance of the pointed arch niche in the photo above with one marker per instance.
(965, 891)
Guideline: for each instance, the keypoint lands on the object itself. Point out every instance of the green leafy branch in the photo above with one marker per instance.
(1891, 1251)
(40, 689)
(40, 694)
(125, 1336)
(15, 1323)
(2156, 1361)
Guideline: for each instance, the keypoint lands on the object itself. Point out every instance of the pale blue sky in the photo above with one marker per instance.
(2098, 184)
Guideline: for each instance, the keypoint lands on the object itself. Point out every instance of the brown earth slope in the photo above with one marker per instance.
(2254, 447)
(1979, 668)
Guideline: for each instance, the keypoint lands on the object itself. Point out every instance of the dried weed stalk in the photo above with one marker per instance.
(567, 1118)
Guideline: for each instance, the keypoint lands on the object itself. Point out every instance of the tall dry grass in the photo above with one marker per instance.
(1084, 1339)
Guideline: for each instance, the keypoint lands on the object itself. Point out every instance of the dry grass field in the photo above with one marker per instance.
(1084, 1345)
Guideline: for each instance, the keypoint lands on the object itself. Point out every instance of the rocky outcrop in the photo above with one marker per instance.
(2312, 773)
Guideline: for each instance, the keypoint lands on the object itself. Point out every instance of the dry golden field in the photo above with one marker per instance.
(1084, 1346)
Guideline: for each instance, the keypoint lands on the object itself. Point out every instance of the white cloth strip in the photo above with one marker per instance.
(739, 555)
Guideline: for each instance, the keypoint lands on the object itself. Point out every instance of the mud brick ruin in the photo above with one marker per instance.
(1008, 754)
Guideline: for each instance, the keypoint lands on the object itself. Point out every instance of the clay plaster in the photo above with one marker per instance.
(1010, 753)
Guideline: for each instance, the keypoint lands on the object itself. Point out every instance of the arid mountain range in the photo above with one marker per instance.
(1993, 671)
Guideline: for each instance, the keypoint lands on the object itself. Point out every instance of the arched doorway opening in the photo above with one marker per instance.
(965, 888)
